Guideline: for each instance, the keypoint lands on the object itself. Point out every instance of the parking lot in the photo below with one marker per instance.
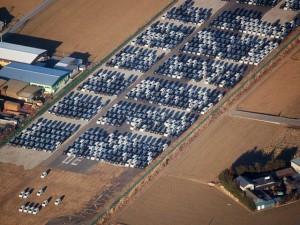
(161, 83)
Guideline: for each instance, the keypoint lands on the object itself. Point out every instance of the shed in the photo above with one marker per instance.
(12, 87)
(295, 163)
(287, 172)
(69, 64)
(261, 199)
(49, 79)
(19, 53)
(30, 92)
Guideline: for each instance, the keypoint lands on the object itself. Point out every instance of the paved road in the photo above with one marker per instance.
(267, 118)
(22, 22)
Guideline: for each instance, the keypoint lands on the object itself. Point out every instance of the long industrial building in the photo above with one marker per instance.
(19, 53)
(49, 79)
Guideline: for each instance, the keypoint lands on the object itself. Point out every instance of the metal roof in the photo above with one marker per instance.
(19, 53)
(296, 161)
(31, 73)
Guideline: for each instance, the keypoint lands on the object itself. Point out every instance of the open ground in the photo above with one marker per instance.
(93, 28)
(18, 8)
(278, 95)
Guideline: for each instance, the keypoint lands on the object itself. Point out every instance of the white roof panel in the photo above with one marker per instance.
(19, 53)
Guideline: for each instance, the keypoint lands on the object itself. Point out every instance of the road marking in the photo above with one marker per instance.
(68, 159)
(76, 161)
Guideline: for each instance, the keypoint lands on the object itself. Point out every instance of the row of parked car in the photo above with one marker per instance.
(162, 121)
(249, 22)
(247, 49)
(44, 135)
(78, 106)
(195, 68)
(135, 58)
(107, 82)
(268, 3)
(130, 150)
(187, 13)
(165, 36)
(293, 5)
(175, 94)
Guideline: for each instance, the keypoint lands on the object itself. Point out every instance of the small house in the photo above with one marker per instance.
(244, 183)
(261, 199)
(264, 182)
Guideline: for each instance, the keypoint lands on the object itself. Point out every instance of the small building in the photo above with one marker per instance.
(49, 79)
(20, 90)
(19, 53)
(244, 183)
(287, 172)
(69, 64)
(264, 182)
(295, 163)
(261, 199)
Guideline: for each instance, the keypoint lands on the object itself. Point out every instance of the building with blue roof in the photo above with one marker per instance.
(49, 79)
(295, 163)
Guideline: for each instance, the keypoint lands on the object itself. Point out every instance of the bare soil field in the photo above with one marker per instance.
(77, 188)
(181, 194)
(177, 201)
(18, 8)
(92, 27)
(279, 94)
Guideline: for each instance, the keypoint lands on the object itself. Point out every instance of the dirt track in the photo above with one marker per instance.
(92, 27)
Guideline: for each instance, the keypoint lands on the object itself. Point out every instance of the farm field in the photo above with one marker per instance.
(279, 94)
(181, 195)
(19, 8)
(92, 27)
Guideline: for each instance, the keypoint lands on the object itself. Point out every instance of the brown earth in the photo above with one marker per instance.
(279, 94)
(93, 27)
(77, 188)
(181, 195)
(18, 8)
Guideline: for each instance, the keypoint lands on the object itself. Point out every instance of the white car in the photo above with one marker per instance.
(22, 207)
(26, 194)
(44, 174)
(58, 201)
(45, 202)
(21, 194)
(40, 192)
(36, 210)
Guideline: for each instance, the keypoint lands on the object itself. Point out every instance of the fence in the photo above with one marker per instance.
(179, 143)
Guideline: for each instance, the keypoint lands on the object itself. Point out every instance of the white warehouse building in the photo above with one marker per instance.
(19, 53)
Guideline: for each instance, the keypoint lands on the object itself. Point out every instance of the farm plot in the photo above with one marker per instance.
(279, 94)
(91, 28)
